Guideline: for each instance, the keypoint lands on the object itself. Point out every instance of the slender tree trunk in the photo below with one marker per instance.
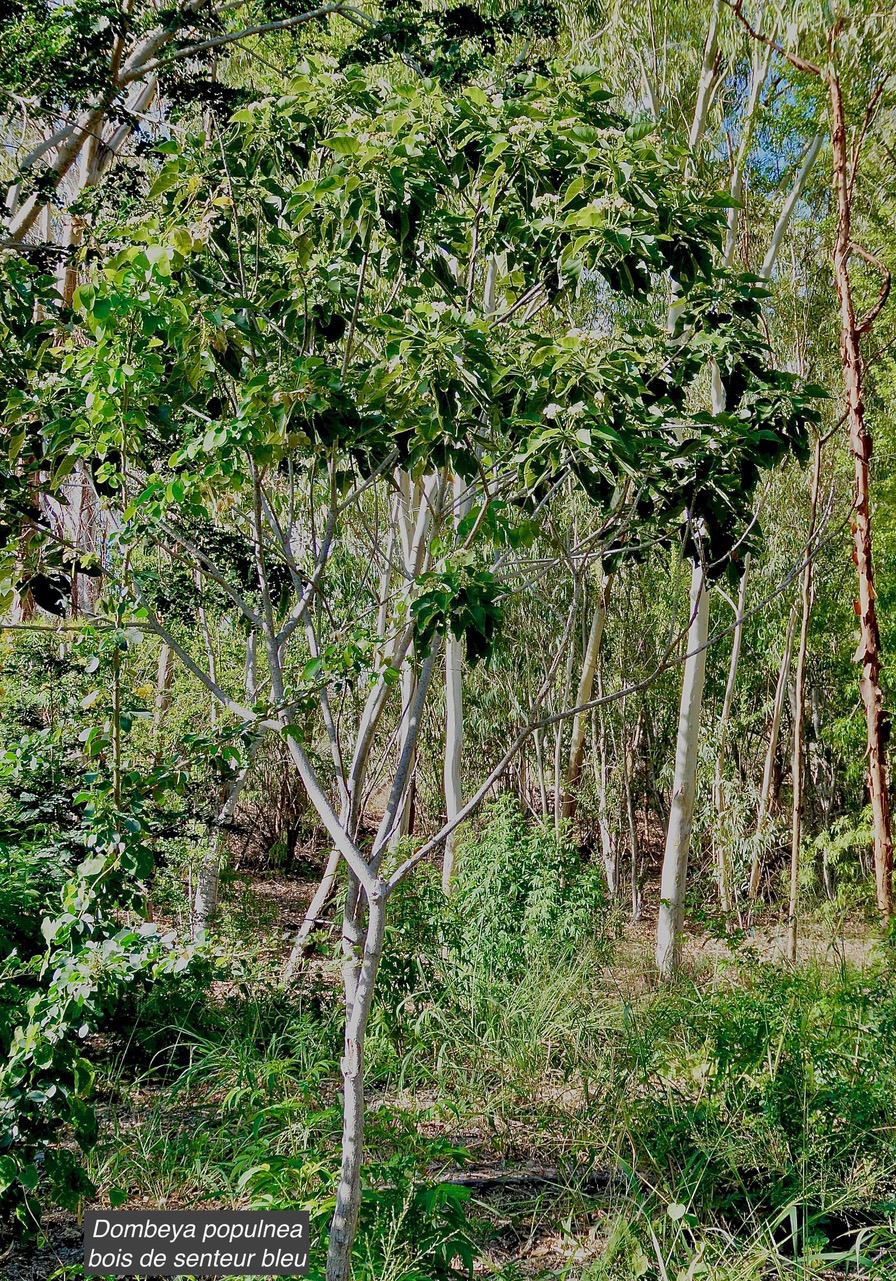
(681, 810)
(454, 739)
(868, 652)
(208, 876)
(362, 953)
(164, 675)
(771, 750)
(211, 661)
(723, 853)
(758, 75)
(798, 706)
(608, 847)
(408, 691)
(538, 737)
(312, 916)
(793, 197)
(560, 725)
(454, 718)
(583, 695)
(628, 770)
(708, 73)
(558, 788)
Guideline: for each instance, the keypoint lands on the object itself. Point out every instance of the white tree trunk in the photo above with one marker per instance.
(681, 810)
(707, 80)
(789, 205)
(454, 739)
(359, 974)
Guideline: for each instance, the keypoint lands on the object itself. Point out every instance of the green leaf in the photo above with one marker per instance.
(83, 1074)
(343, 145)
(640, 129)
(9, 1172)
(169, 177)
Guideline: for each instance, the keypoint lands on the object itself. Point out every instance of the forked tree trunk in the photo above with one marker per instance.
(868, 652)
(681, 810)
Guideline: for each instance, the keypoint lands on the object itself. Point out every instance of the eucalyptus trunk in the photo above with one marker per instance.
(860, 443)
(670, 925)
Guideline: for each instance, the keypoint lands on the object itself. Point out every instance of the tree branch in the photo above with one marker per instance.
(864, 325)
(801, 64)
(263, 28)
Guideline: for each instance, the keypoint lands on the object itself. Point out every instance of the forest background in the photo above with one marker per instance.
(447, 590)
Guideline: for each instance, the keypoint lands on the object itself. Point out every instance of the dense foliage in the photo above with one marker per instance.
(373, 383)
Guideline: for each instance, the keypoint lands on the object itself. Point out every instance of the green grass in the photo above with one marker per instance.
(747, 1114)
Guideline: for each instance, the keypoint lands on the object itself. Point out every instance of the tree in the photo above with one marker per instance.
(284, 348)
(844, 164)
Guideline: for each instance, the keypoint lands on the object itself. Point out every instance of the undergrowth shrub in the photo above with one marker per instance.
(768, 1094)
(524, 892)
(494, 968)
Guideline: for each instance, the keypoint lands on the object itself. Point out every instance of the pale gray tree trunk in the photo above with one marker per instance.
(681, 810)
(208, 876)
(789, 205)
(452, 769)
(454, 739)
(359, 976)
(707, 79)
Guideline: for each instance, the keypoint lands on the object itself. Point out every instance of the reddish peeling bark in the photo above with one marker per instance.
(860, 443)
